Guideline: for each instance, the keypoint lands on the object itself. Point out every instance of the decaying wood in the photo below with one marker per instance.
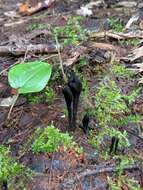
(36, 49)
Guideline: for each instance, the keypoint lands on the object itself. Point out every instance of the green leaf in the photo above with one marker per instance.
(29, 77)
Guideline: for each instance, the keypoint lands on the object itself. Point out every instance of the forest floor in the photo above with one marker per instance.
(106, 55)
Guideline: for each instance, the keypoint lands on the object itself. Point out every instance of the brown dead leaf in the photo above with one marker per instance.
(32, 6)
(135, 54)
(75, 55)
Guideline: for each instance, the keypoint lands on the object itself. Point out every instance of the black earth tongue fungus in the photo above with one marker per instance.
(85, 124)
(4, 185)
(76, 87)
(69, 100)
(114, 145)
(71, 94)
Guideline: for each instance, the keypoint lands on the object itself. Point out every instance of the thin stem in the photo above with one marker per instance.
(60, 58)
(16, 97)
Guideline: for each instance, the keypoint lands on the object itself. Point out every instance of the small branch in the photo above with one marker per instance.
(17, 51)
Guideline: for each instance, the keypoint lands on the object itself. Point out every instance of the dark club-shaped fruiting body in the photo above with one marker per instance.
(114, 145)
(69, 99)
(85, 124)
(72, 93)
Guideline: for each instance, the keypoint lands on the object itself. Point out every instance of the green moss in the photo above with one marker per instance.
(14, 173)
(122, 72)
(133, 42)
(72, 32)
(51, 139)
(109, 102)
(98, 140)
(35, 26)
(116, 25)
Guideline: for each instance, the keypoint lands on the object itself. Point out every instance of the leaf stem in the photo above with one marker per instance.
(14, 101)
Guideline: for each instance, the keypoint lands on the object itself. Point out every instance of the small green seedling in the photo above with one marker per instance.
(122, 72)
(118, 183)
(29, 77)
(51, 139)
(72, 32)
(36, 26)
(116, 25)
(97, 141)
(130, 42)
(49, 94)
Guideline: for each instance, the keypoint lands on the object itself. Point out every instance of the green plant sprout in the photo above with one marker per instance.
(110, 105)
(118, 183)
(133, 42)
(123, 162)
(29, 77)
(35, 26)
(97, 141)
(47, 96)
(81, 64)
(12, 174)
(116, 25)
(122, 72)
(132, 96)
(51, 139)
(111, 109)
(72, 32)
(125, 120)
(109, 102)
(33, 98)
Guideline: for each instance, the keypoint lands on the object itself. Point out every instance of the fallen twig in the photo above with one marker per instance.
(118, 36)
(97, 171)
(36, 49)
